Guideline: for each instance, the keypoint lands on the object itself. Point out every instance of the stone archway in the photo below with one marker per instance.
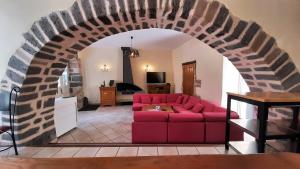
(56, 38)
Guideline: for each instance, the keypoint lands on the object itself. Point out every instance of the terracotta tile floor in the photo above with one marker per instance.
(76, 152)
(105, 125)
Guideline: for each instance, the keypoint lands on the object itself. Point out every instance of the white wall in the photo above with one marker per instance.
(91, 58)
(91, 61)
(159, 61)
(209, 64)
(16, 18)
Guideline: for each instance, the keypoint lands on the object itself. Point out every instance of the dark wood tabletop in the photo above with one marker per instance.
(262, 161)
(269, 96)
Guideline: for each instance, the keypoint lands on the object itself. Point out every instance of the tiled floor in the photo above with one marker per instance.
(108, 125)
(105, 125)
(76, 152)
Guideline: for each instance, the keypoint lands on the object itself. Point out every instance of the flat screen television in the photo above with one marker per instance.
(156, 77)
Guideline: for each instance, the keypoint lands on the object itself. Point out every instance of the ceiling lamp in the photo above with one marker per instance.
(133, 52)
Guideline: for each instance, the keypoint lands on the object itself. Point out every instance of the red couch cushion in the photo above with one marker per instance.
(188, 106)
(218, 116)
(182, 132)
(146, 99)
(179, 109)
(163, 97)
(193, 99)
(151, 116)
(171, 98)
(208, 107)
(185, 98)
(136, 98)
(137, 106)
(219, 109)
(186, 116)
(156, 100)
(173, 104)
(198, 108)
(179, 100)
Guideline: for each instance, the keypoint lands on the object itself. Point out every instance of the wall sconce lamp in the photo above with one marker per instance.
(148, 68)
(105, 68)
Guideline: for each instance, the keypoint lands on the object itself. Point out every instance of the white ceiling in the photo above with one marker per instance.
(150, 39)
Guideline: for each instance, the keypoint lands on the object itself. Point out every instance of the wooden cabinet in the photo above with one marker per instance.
(159, 88)
(107, 96)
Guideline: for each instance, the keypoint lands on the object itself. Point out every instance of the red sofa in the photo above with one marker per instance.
(194, 121)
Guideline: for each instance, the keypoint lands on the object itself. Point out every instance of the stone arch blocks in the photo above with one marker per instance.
(56, 38)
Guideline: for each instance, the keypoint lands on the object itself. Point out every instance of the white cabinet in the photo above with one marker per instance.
(65, 115)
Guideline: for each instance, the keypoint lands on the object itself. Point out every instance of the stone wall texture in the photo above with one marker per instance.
(75, 81)
(55, 39)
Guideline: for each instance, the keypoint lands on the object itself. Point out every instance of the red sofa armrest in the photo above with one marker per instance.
(218, 116)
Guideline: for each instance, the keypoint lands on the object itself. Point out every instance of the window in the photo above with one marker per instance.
(234, 82)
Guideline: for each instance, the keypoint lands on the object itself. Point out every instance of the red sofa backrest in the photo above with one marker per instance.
(171, 98)
(194, 99)
(165, 98)
(208, 106)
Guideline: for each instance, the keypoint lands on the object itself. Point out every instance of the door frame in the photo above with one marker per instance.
(195, 73)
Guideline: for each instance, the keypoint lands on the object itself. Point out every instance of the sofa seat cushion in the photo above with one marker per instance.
(186, 116)
(218, 116)
(151, 116)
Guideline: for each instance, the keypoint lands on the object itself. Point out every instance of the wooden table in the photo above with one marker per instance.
(258, 128)
(262, 161)
(162, 108)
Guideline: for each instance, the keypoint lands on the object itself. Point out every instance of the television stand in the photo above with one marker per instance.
(158, 88)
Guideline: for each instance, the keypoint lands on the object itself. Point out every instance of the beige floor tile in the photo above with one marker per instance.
(167, 151)
(105, 125)
(11, 152)
(47, 152)
(66, 152)
(187, 151)
(127, 151)
(113, 136)
(207, 150)
(221, 150)
(4, 153)
(107, 152)
(87, 152)
(29, 151)
(147, 151)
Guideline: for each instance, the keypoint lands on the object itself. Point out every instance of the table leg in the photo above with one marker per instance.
(227, 136)
(263, 117)
(294, 125)
(295, 117)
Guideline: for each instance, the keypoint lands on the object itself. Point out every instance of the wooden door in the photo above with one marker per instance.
(189, 72)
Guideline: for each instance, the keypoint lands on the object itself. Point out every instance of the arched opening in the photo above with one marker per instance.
(55, 39)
